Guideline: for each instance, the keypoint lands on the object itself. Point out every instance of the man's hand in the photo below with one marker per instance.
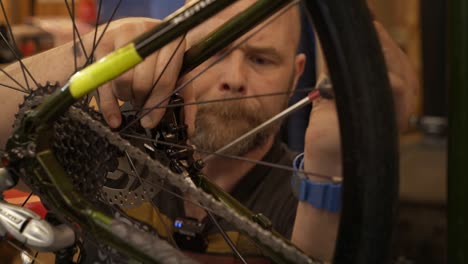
(322, 140)
(315, 230)
(403, 78)
(136, 85)
(323, 147)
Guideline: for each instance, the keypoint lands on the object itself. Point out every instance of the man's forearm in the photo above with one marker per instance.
(315, 231)
(55, 65)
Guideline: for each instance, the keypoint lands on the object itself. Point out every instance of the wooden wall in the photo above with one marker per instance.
(52, 8)
(19, 10)
(7, 6)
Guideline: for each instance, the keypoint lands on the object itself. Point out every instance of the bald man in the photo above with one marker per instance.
(266, 63)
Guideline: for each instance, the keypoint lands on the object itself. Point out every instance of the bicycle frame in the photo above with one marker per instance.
(35, 128)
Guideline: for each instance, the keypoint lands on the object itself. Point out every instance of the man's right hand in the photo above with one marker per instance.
(136, 85)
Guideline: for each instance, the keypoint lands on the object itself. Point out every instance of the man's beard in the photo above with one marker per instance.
(217, 125)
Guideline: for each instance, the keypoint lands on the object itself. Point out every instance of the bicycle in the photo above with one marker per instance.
(368, 189)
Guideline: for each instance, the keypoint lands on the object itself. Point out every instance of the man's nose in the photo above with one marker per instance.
(234, 75)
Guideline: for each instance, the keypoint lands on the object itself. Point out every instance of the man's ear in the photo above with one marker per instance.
(299, 64)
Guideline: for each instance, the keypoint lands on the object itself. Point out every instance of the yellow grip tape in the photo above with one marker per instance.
(104, 70)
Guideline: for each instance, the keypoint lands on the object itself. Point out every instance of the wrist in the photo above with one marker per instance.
(320, 192)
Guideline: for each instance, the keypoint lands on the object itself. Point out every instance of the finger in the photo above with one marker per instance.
(108, 103)
(403, 78)
(402, 102)
(391, 50)
(322, 148)
(109, 106)
(323, 123)
(122, 87)
(170, 61)
(143, 80)
(143, 76)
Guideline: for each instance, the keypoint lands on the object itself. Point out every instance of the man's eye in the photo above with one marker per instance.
(260, 60)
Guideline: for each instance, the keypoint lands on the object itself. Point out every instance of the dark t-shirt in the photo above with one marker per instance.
(268, 191)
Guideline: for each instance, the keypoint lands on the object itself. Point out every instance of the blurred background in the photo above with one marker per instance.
(419, 27)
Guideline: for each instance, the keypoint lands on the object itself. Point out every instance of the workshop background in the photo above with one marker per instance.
(419, 27)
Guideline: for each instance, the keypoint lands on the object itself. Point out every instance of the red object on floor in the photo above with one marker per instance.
(18, 197)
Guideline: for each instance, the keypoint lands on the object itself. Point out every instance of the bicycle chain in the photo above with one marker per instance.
(156, 169)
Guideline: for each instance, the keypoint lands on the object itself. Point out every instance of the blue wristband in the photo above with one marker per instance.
(321, 195)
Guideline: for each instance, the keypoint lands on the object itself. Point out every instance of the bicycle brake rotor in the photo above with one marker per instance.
(129, 191)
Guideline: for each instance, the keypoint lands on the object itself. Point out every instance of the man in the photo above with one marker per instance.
(266, 63)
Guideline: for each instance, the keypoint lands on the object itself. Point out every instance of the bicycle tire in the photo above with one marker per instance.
(368, 130)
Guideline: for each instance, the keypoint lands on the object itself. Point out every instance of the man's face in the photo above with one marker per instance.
(264, 64)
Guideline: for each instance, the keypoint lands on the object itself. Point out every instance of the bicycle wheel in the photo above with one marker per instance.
(369, 162)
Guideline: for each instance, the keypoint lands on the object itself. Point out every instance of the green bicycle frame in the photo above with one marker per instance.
(35, 127)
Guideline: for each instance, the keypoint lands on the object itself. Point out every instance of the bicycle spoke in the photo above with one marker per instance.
(256, 162)
(14, 80)
(166, 66)
(283, 114)
(27, 199)
(76, 32)
(103, 32)
(238, 98)
(35, 257)
(23, 251)
(96, 29)
(163, 71)
(24, 69)
(169, 235)
(13, 88)
(226, 238)
(224, 55)
(75, 50)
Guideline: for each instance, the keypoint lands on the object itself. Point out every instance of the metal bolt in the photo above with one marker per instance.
(31, 149)
(199, 165)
